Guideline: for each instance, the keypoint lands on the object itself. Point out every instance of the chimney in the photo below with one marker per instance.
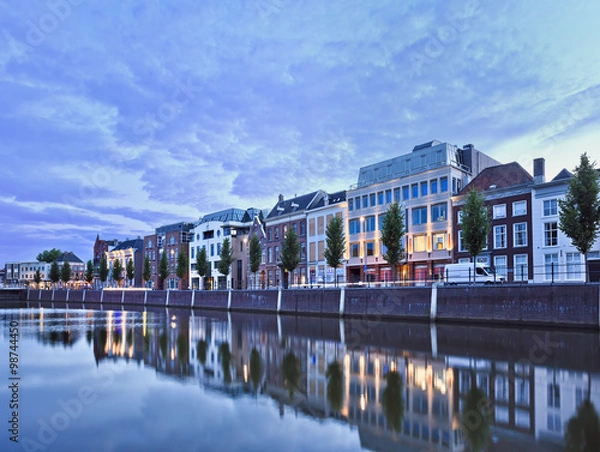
(326, 199)
(280, 198)
(539, 170)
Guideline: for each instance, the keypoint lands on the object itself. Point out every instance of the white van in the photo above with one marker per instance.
(463, 274)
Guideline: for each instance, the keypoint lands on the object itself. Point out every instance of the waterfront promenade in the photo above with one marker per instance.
(562, 305)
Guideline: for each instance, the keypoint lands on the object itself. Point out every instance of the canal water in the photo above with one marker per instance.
(118, 380)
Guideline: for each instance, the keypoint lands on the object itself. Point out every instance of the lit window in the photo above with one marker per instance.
(420, 243)
(439, 241)
(439, 212)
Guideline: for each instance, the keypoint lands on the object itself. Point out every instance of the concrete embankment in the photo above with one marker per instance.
(572, 305)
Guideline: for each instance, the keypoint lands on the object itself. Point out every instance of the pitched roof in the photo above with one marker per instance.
(564, 174)
(334, 198)
(135, 243)
(297, 204)
(499, 176)
(69, 257)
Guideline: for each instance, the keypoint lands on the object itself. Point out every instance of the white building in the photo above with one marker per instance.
(555, 259)
(29, 269)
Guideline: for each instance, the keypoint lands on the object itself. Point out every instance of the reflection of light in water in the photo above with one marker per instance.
(131, 351)
(173, 325)
(245, 373)
(363, 402)
(41, 320)
(172, 354)
(361, 364)
(174, 317)
(393, 366)
(144, 323)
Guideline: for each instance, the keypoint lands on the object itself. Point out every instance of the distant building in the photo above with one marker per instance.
(126, 251)
(29, 269)
(76, 264)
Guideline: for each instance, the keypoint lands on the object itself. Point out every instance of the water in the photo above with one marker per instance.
(190, 381)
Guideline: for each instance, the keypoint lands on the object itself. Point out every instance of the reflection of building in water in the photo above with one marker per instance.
(558, 393)
(116, 336)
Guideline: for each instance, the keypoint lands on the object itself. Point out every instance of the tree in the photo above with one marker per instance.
(255, 368)
(49, 255)
(54, 272)
(579, 216)
(117, 272)
(476, 225)
(291, 372)
(37, 277)
(202, 264)
(583, 430)
(147, 272)
(103, 271)
(392, 232)
(476, 418)
(163, 269)
(65, 272)
(335, 388)
(182, 266)
(89, 272)
(255, 255)
(335, 244)
(226, 258)
(393, 401)
(290, 255)
(130, 271)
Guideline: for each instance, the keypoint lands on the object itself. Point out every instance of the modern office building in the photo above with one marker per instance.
(423, 182)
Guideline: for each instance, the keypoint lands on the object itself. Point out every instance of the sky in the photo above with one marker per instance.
(119, 116)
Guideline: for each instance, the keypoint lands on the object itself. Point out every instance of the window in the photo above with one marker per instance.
(500, 264)
(433, 186)
(522, 391)
(520, 234)
(419, 215)
(405, 192)
(351, 204)
(519, 208)
(365, 201)
(372, 199)
(212, 249)
(500, 211)
(550, 207)
(553, 395)
(424, 188)
(370, 248)
(354, 226)
(439, 241)
(550, 265)
(439, 212)
(380, 219)
(459, 216)
(415, 190)
(554, 423)
(456, 185)
(500, 236)
(574, 266)
(380, 198)
(357, 202)
(420, 243)
(370, 223)
(550, 234)
(269, 234)
(461, 242)
(443, 184)
(302, 228)
(276, 233)
(388, 196)
(397, 194)
(521, 270)
(355, 250)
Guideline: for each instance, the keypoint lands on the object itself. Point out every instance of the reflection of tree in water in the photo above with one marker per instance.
(225, 361)
(393, 401)
(583, 430)
(54, 338)
(183, 349)
(162, 343)
(255, 368)
(201, 351)
(335, 390)
(476, 419)
(89, 336)
(291, 372)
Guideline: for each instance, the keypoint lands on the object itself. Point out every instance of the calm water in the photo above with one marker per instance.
(189, 381)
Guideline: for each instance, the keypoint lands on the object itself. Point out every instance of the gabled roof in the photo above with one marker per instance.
(297, 204)
(137, 244)
(333, 198)
(69, 257)
(564, 174)
(500, 176)
(251, 213)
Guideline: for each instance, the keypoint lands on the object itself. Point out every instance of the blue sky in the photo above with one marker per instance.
(121, 116)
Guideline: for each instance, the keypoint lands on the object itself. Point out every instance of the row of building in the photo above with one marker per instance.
(430, 182)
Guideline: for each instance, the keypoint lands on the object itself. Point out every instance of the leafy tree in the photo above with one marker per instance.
(583, 429)
(130, 271)
(89, 272)
(147, 272)
(476, 225)
(103, 270)
(290, 255)
(117, 272)
(49, 255)
(202, 264)
(182, 266)
(65, 272)
(163, 269)
(255, 254)
(336, 244)
(226, 258)
(37, 277)
(54, 274)
(393, 401)
(392, 232)
(579, 216)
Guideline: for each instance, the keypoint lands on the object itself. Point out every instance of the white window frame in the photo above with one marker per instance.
(553, 210)
(501, 265)
(524, 233)
(549, 259)
(548, 236)
(516, 212)
(497, 235)
(499, 211)
(517, 267)
(574, 267)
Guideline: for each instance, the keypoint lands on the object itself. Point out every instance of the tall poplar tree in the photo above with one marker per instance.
(335, 244)
(290, 255)
(182, 266)
(392, 233)
(65, 272)
(476, 225)
(147, 272)
(163, 269)
(202, 265)
(130, 271)
(117, 272)
(54, 273)
(579, 216)
(89, 272)
(103, 270)
(255, 255)
(225, 258)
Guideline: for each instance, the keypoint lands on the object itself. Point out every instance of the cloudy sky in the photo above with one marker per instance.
(119, 116)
